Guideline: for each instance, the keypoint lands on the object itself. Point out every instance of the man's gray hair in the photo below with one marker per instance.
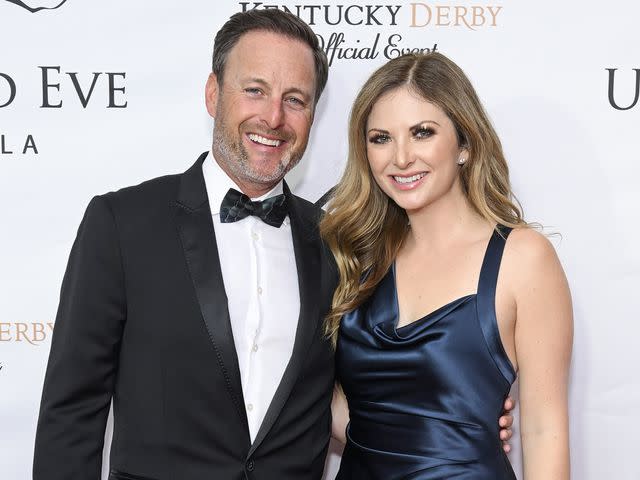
(268, 20)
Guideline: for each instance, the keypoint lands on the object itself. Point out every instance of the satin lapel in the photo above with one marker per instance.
(195, 226)
(307, 255)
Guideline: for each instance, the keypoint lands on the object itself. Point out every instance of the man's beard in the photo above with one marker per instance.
(235, 157)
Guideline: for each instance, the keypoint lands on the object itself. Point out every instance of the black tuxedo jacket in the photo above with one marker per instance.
(143, 320)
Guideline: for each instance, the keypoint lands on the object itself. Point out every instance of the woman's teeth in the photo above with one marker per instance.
(410, 179)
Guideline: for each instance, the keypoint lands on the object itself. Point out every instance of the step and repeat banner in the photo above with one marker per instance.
(95, 96)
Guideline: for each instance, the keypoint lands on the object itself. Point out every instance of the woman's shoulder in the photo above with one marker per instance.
(527, 244)
(529, 259)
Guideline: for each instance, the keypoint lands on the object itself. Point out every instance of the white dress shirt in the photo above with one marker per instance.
(261, 282)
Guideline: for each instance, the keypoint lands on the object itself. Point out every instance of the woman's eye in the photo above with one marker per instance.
(423, 132)
(379, 138)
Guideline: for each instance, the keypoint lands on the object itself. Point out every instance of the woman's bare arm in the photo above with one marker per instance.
(543, 341)
(339, 414)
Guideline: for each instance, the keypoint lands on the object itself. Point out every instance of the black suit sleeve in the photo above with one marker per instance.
(82, 364)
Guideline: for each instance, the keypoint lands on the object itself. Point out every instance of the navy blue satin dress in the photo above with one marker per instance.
(424, 399)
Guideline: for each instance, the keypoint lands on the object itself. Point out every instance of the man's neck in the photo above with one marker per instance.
(250, 189)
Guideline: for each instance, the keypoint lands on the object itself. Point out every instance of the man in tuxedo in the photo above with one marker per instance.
(195, 302)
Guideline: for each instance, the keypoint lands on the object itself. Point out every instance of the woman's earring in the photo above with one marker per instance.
(461, 160)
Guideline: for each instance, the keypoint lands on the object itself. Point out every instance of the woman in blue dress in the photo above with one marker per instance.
(445, 292)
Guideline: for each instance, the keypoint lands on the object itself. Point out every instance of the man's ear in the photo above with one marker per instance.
(211, 94)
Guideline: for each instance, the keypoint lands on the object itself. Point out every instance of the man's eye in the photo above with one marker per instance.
(296, 101)
(379, 138)
(252, 91)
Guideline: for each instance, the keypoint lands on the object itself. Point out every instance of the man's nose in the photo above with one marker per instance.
(273, 114)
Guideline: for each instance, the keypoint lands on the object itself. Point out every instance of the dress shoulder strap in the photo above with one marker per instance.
(486, 301)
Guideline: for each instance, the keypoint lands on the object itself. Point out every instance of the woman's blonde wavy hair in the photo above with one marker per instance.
(363, 227)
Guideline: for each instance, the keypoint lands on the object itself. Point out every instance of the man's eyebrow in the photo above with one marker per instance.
(304, 93)
(307, 95)
(255, 80)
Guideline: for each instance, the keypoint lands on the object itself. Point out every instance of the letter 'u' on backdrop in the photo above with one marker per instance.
(95, 96)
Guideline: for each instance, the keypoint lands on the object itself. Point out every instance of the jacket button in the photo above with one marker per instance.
(250, 465)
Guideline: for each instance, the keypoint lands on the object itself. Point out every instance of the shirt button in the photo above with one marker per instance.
(260, 290)
(255, 347)
(254, 235)
(249, 406)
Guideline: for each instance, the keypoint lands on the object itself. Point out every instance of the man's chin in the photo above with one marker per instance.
(272, 171)
(266, 177)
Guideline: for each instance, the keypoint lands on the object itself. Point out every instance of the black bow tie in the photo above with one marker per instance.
(236, 206)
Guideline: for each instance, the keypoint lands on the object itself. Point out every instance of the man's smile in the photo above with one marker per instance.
(261, 140)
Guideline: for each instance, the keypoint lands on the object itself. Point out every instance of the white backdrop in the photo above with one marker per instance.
(540, 67)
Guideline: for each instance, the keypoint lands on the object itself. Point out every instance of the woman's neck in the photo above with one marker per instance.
(447, 220)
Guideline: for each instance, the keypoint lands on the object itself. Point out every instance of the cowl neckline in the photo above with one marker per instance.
(383, 313)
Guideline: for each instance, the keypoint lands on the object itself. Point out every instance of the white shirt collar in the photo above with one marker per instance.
(218, 184)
